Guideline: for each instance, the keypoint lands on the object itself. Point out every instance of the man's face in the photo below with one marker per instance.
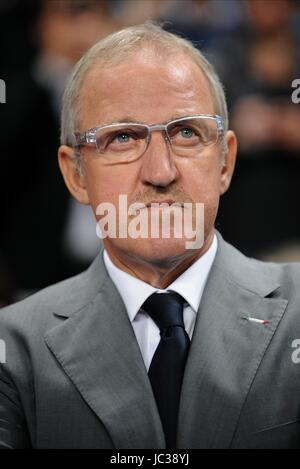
(150, 90)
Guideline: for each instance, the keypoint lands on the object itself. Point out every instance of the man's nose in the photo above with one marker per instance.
(158, 167)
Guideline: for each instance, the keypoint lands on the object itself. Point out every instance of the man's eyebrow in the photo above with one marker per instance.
(130, 119)
(126, 119)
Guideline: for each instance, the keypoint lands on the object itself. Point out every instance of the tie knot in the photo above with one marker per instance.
(166, 309)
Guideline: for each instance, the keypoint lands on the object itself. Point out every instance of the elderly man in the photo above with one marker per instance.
(161, 343)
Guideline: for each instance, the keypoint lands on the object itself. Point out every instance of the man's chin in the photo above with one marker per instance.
(155, 250)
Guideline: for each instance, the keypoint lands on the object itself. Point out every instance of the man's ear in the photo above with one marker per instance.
(228, 161)
(73, 176)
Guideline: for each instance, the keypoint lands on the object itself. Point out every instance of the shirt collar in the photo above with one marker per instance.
(190, 284)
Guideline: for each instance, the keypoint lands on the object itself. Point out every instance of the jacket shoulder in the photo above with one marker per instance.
(37, 312)
(255, 275)
(287, 275)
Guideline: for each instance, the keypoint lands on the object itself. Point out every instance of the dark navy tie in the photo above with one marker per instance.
(168, 363)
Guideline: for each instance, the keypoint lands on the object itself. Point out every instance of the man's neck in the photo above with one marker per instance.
(158, 273)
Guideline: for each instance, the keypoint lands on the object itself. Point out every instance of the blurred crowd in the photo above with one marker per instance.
(254, 44)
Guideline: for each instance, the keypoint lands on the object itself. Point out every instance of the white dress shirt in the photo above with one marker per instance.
(134, 292)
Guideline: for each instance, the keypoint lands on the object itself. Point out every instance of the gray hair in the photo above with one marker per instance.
(117, 47)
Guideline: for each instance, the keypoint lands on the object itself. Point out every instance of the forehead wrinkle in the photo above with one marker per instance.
(182, 82)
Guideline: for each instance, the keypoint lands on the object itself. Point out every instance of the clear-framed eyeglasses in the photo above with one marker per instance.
(125, 141)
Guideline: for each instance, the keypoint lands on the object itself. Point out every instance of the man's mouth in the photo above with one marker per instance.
(155, 205)
(166, 202)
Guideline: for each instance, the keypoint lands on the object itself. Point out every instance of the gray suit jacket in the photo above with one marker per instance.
(74, 376)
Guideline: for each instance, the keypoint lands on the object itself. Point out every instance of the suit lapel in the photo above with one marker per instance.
(97, 349)
(226, 350)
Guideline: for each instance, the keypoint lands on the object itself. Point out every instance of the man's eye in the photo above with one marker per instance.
(183, 133)
(187, 132)
(122, 138)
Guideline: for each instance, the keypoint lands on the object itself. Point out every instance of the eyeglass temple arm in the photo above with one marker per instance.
(220, 125)
(86, 137)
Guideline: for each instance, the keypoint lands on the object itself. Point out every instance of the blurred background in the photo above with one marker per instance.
(254, 44)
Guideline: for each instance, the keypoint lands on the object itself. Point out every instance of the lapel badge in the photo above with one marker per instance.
(259, 321)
